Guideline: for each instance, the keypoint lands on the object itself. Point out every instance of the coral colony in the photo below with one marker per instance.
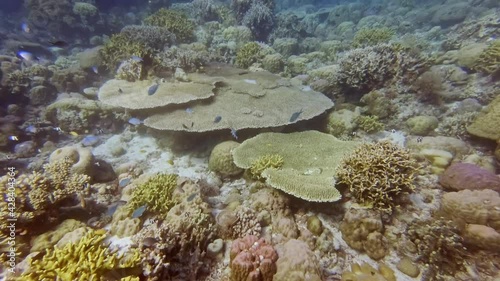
(250, 140)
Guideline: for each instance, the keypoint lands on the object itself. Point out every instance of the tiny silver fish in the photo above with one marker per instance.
(393, 131)
(250, 81)
(152, 89)
(136, 58)
(57, 129)
(13, 138)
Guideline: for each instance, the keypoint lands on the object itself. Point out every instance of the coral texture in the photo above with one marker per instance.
(364, 271)
(378, 173)
(461, 176)
(486, 124)
(297, 262)
(156, 194)
(489, 59)
(252, 259)
(175, 22)
(221, 159)
(273, 161)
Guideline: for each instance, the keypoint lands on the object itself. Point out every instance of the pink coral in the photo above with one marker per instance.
(460, 176)
(252, 259)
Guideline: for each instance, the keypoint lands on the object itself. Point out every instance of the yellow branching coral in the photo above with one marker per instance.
(489, 60)
(274, 161)
(156, 194)
(87, 259)
(377, 173)
(372, 36)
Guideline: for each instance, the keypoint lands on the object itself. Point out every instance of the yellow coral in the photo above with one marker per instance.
(372, 36)
(156, 194)
(365, 271)
(489, 60)
(376, 173)
(264, 162)
(87, 259)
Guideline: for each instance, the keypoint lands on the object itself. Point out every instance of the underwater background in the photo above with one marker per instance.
(250, 140)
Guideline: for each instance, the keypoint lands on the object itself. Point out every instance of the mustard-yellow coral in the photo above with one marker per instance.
(489, 60)
(156, 194)
(263, 162)
(377, 173)
(87, 259)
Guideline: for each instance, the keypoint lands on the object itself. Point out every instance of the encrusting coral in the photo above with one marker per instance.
(378, 173)
(156, 194)
(87, 259)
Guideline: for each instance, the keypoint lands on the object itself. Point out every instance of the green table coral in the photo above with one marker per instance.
(309, 165)
(156, 194)
(87, 259)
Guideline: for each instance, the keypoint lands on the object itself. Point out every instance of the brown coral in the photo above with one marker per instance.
(252, 259)
(461, 176)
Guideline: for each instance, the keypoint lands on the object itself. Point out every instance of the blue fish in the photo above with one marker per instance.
(134, 121)
(295, 115)
(136, 58)
(31, 129)
(189, 110)
(124, 182)
(152, 89)
(139, 211)
(90, 140)
(233, 133)
(114, 206)
(217, 119)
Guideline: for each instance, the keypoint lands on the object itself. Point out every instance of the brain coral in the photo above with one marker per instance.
(378, 173)
(309, 162)
(461, 176)
(252, 259)
(221, 159)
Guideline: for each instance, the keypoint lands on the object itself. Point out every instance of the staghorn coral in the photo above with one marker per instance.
(378, 173)
(119, 48)
(175, 22)
(309, 162)
(154, 37)
(372, 36)
(439, 246)
(189, 57)
(87, 259)
(268, 161)
(156, 194)
(489, 59)
(252, 259)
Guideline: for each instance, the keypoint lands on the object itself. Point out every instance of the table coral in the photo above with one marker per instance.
(274, 161)
(252, 259)
(87, 259)
(378, 173)
(156, 194)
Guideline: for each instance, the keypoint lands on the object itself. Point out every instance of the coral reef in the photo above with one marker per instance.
(377, 174)
(372, 36)
(154, 37)
(221, 159)
(273, 161)
(119, 48)
(489, 59)
(309, 166)
(369, 124)
(487, 121)
(461, 176)
(248, 54)
(439, 247)
(176, 22)
(364, 271)
(252, 259)
(297, 262)
(155, 193)
(87, 259)
(255, 14)
(362, 230)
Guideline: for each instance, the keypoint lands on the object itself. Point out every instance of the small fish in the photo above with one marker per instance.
(393, 131)
(136, 58)
(27, 56)
(353, 133)
(73, 133)
(97, 164)
(139, 211)
(191, 197)
(250, 81)
(25, 27)
(57, 129)
(13, 138)
(233, 133)
(420, 139)
(185, 126)
(152, 89)
(217, 119)
(189, 110)
(100, 131)
(90, 140)
(114, 206)
(58, 43)
(124, 182)
(31, 129)
(120, 90)
(149, 241)
(295, 116)
(95, 69)
(134, 121)
(86, 185)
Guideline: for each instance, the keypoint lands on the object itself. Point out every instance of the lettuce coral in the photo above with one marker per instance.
(378, 173)
(87, 259)
(156, 194)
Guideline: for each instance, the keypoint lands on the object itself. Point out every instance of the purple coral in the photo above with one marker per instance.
(460, 176)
